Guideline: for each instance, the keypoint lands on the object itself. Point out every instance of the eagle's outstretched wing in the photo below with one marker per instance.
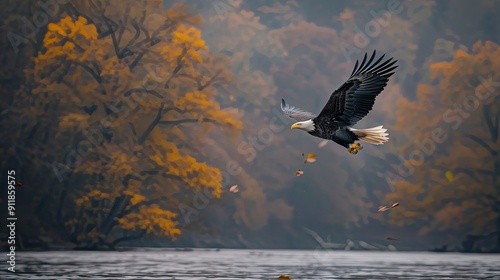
(355, 98)
(295, 113)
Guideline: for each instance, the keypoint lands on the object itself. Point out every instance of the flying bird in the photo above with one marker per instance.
(348, 105)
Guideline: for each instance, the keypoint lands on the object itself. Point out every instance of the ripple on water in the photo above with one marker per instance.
(253, 264)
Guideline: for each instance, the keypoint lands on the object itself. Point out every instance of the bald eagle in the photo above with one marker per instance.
(348, 105)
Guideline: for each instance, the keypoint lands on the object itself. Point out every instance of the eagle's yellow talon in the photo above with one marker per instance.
(354, 148)
(357, 146)
(352, 151)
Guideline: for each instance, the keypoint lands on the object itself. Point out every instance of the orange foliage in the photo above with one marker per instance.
(464, 106)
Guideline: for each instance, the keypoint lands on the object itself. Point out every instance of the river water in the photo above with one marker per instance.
(252, 264)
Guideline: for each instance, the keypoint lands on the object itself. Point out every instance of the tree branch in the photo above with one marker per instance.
(118, 205)
(149, 172)
(134, 90)
(198, 84)
(177, 68)
(482, 143)
(113, 35)
(136, 60)
(187, 121)
(127, 238)
(125, 22)
(489, 122)
(152, 125)
(143, 203)
(173, 109)
(134, 39)
(65, 71)
(92, 72)
(132, 128)
(164, 175)
(209, 82)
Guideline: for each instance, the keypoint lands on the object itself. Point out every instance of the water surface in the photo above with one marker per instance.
(252, 264)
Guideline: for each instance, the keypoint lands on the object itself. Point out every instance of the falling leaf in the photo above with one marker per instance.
(299, 172)
(284, 277)
(310, 158)
(302, 154)
(391, 238)
(323, 143)
(382, 208)
(234, 189)
(449, 175)
(18, 184)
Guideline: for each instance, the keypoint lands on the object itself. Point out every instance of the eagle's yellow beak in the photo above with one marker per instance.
(295, 125)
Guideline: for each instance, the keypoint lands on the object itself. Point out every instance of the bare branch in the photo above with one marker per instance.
(152, 125)
(482, 143)
(210, 81)
(125, 22)
(90, 70)
(173, 109)
(489, 122)
(113, 36)
(134, 39)
(136, 60)
(132, 128)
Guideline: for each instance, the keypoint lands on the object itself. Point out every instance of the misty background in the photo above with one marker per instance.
(127, 123)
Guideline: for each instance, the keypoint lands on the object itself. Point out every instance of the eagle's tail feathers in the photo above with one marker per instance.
(375, 135)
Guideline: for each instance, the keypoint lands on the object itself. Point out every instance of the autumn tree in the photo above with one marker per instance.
(129, 91)
(453, 151)
(240, 34)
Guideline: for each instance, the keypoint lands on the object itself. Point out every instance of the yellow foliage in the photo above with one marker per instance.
(68, 29)
(137, 198)
(153, 219)
(77, 66)
(186, 47)
(205, 107)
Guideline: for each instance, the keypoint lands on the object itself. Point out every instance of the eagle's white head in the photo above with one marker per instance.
(305, 125)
